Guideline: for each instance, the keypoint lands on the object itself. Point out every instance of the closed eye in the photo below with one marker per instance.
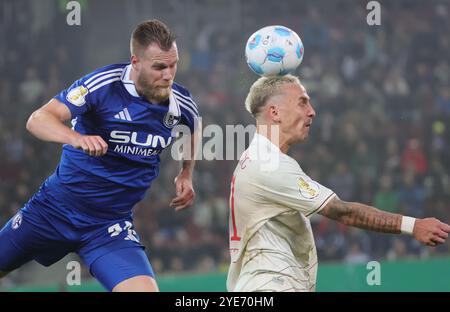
(159, 66)
(162, 66)
(303, 100)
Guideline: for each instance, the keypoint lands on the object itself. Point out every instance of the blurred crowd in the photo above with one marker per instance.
(381, 135)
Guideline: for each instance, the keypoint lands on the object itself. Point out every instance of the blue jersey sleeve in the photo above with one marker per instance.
(189, 120)
(189, 110)
(77, 97)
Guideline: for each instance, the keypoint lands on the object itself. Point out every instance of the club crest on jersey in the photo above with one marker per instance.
(308, 189)
(77, 96)
(170, 120)
(17, 221)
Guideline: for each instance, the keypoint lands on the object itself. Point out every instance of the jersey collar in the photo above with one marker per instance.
(267, 153)
(262, 141)
(128, 83)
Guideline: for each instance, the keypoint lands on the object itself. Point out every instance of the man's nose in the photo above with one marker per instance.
(167, 74)
(312, 112)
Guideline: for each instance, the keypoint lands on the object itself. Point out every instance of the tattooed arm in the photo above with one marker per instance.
(429, 231)
(362, 216)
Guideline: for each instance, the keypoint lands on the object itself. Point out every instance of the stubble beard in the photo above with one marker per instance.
(154, 94)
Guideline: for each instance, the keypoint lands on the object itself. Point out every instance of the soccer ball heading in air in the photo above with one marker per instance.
(274, 50)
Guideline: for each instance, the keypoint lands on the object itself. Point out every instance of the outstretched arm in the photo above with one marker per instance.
(429, 231)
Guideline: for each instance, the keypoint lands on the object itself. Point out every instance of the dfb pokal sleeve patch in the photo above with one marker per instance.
(308, 189)
(77, 96)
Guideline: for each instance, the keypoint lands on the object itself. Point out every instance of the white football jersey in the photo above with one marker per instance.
(271, 242)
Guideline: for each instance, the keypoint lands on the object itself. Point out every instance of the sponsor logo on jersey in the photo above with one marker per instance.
(17, 221)
(308, 189)
(77, 96)
(143, 145)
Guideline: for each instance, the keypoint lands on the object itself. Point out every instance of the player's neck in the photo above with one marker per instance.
(272, 133)
(133, 77)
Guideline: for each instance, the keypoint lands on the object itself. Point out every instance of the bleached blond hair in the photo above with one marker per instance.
(265, 88)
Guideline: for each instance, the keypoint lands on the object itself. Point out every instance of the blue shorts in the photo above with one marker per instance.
(110, 248)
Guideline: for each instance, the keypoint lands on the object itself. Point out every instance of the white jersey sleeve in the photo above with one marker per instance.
(289, 186)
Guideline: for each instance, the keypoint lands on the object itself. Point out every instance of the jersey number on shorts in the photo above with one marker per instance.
(235, 237)
(116, 229)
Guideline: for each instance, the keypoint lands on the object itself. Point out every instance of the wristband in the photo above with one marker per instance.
(407, 226)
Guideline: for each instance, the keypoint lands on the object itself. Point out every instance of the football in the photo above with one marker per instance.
(274, 50)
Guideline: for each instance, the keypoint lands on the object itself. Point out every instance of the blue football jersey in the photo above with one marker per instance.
(106, 103)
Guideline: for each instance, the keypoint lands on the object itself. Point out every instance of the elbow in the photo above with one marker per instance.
(31, 122)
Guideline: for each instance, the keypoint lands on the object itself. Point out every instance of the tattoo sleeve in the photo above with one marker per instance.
(362, 216)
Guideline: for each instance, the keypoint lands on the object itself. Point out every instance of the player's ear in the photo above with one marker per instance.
(273, 113)
(134, 62)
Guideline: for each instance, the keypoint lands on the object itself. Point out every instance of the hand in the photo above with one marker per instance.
(92, 145)
(184, 192)
(431, 231)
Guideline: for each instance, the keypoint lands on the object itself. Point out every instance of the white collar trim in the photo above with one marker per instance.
(127, 82)
(174, 107)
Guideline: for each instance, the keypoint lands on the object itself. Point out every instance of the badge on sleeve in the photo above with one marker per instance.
(17, 221)
(77, 96)
(308, 189)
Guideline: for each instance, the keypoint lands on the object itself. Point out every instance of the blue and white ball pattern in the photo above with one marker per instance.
(274, 50)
